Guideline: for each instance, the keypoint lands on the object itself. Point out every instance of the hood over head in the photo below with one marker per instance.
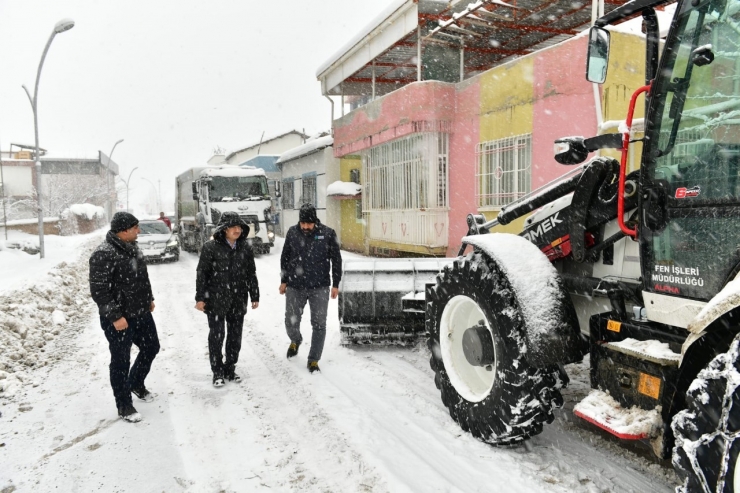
(229, 219)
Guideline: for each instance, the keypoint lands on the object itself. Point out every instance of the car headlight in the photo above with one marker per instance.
(172, 243)
(270, 235)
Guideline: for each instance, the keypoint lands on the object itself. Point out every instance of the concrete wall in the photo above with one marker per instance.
(326, 167)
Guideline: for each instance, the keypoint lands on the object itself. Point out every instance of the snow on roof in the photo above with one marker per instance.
(305, 149)
(264, 141)
(233, 171)
(531, 275)
(343, 188)
(88, 211)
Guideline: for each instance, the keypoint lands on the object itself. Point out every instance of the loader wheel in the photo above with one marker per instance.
(708, 432)
(478, 352)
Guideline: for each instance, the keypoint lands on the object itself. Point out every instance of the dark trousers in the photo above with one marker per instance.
(230, 326)
(142, 332)
(318, 302)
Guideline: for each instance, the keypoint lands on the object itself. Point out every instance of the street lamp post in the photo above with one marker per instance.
(107, 178)
(156, 194)
(60, 27)
(127, 182)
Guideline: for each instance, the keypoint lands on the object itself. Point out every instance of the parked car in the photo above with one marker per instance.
(157, 242)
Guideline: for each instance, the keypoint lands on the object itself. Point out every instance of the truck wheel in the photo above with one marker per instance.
(707, 432)
(478, 352)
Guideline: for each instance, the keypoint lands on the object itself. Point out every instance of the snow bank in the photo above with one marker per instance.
(30, 318)
(343, 188)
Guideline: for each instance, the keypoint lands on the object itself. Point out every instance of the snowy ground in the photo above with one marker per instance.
(372, 420)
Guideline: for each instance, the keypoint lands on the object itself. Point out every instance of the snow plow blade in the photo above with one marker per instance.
(381, 301)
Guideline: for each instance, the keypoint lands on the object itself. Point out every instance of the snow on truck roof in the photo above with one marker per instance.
(226, 171)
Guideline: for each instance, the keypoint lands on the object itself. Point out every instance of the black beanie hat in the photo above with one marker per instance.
(122, 221)
(307, 214)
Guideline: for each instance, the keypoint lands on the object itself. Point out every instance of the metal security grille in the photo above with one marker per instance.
(407, 174)
(288, 201)
(309, 190)
(504, 170)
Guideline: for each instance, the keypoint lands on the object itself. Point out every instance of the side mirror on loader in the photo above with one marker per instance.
(574, 150)
(597, 59)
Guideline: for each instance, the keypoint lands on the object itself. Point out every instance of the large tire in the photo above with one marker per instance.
(707, 432)
(508, 400)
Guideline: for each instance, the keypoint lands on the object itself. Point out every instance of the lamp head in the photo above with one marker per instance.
(64, 25)
(118, 142)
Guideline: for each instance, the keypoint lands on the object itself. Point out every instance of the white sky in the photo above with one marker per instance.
(173, 78)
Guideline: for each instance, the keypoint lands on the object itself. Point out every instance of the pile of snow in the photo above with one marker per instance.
(88, 211)
(47, 297)
(655, 349)
(601, 408)
(343, 188)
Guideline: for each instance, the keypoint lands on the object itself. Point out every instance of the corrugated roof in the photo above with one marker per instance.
(490, 32)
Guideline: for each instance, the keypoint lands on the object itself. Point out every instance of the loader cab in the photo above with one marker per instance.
(689, 224)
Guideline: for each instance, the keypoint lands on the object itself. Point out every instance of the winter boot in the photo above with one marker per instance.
(293, 349)
(218, 381)
(143, 394)
(233, 377)
(129, 413)
(313, 366)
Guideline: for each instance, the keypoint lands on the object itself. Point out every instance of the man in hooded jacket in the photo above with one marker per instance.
(119, 284)
(226, 279)
(310, 249)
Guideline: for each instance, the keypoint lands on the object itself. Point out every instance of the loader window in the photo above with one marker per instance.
(697, 157)
(699, 139)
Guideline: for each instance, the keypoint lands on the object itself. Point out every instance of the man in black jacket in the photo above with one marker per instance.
(226, 278)
(310, 247)
(119, 284)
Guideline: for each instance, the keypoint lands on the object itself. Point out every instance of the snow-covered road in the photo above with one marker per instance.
(372, 420)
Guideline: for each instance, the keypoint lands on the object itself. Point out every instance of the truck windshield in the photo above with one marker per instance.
(230, 188)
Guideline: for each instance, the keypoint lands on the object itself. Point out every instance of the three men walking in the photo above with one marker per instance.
(311, 268)
(310, 251)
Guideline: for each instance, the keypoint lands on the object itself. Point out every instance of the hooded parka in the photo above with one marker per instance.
(226, 276)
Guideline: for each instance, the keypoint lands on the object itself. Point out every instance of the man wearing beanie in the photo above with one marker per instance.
(226, 280)
(310, 250)
(119, 284)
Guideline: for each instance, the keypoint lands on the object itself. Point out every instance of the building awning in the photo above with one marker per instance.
(458, 40)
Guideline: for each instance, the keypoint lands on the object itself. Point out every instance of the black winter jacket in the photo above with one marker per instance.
(119, 281)
(226, 277)
(304, 263)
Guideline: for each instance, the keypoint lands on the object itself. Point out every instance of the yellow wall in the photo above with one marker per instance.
(625, 74)
(506, 97)
(353, 231)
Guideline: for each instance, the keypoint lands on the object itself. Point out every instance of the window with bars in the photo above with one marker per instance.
(504, 170)
(309, 190)
(288, 196)
(406, 174)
